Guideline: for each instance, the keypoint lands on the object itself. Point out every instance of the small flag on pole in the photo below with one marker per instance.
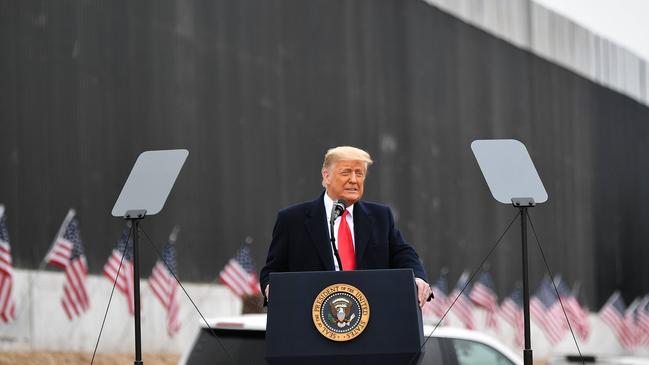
(123, 277)
(440, 304)
(577, 315)
(548, 316)
(613, 313)
(642, 321)
(75, 299)
(484, 295)
(61, 248)
(7, 304)
(463, 308)
(511, 310)
(239, 274)
(163, 283)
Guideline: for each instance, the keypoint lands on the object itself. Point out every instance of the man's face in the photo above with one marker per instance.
(344, 180)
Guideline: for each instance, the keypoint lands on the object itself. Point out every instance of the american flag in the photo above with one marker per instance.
(462, 306)
(613, 313)
(163, 283)
(511, 310)
(548, 316)
(61, 249)
(125, 279)
(7, 304)
(75, 299)
(577, 315)
(630, 317)
(239, 274)
(440, 304)
(642, 321)
(484, 295)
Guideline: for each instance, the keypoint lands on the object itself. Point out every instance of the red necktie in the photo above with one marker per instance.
(345, 244)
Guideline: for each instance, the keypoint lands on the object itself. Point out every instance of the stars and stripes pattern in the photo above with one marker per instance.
(75, 300)
(630, 318)
(61, 249)
(511, 309)
(239, 274)
(462, 307)
(438, 306)
(7, 303)
(613, 313)
(546, 314)
(642, 321)
(124, 277)
(483, 294)
(576, 314)
(163, 284)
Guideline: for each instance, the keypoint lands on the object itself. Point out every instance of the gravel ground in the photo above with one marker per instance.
(83, 358)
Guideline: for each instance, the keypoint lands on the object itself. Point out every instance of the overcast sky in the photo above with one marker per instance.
(626, 22)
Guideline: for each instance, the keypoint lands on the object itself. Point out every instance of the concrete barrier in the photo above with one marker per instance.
(42, 325)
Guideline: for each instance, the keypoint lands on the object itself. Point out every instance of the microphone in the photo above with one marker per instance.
(337, 210)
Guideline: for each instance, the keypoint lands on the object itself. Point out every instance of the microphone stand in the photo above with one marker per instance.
(333, 245)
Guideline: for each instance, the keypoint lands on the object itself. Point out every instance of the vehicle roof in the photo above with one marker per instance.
(464, 334)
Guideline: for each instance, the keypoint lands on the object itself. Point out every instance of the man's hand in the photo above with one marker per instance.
(423, 291)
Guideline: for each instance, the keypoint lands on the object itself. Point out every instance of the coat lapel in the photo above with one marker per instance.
(362, 231)
(316, 225)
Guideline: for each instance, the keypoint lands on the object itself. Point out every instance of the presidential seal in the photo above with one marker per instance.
(340, 312)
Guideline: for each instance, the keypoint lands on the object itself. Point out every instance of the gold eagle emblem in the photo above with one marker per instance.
(340, 312)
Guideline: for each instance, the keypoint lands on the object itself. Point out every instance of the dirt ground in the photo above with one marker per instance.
(83, 358)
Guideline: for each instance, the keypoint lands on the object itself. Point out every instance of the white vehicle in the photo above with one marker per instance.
(243, 339)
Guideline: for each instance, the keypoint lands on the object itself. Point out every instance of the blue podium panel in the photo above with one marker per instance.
(393, 333)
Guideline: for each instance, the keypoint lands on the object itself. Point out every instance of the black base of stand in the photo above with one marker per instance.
(527, 356)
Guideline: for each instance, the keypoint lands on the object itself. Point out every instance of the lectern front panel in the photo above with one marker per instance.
(393, 333)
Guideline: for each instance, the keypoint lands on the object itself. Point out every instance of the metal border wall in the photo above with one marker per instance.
(257, 91)
(531, 26)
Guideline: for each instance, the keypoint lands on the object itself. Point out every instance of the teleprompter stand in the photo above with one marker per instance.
(145, 193)
(134, 216)
(522, 204)
(513, 179)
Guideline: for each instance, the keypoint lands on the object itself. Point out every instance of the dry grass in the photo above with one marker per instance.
(83, 358)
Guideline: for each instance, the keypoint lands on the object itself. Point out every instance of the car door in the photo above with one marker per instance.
(438, 351)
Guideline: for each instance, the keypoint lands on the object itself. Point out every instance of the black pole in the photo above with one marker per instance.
(527, 351)
(136, 293)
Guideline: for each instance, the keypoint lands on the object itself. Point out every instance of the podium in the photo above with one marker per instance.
(311, 315)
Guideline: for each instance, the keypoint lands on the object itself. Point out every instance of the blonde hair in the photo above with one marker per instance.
(341, 153)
